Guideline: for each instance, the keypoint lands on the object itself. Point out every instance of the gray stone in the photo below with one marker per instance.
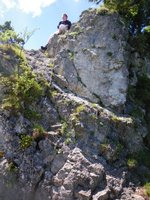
(94, 64)
(76, 175)
(102, 195)
(84, 195)
(58, 163)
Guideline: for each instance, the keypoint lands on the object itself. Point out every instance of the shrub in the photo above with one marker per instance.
(147, 189)
(38, 132)
(22, 90)
(132, 163)
(26, 141)
(64, 128)
(102, 10)
(2, 154)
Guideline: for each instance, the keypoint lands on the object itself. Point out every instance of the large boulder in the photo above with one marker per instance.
(92, 60)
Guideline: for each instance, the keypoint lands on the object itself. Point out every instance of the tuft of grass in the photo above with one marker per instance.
(25, 141)
(74, 34)
(102, 10)
(51, 65)
(104, 147)
(119, 148)
(12, 167)
(22, 90)
(110, 54)
(38, 133)
(2, 154)
(77, 31)
(31, 114)
(71, 55)
(80, 109)
(147, 189)
(13, 50)
(54, 93)
(114, 37)
(132, 163)
(64, 128)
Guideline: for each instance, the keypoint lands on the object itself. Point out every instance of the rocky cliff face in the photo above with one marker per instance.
(92, 60)
(81, 152)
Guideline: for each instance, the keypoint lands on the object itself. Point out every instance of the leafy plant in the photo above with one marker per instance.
(147, 189)
(26, 141)
(119, 148)
(80, 108)
(38, 132)
(104, 147)
(102, 10)
(114, 36)
(31, 114)
(75, 116)
(21, 91)
(71, 55)
(109, 54)
(8, 35)
(12, 167)
(76, 32)
(64, 128)
(132, 163)
(2, 154)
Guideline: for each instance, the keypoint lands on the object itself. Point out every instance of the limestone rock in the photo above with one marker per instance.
(103, 195)
(92, 58)
(80, 175)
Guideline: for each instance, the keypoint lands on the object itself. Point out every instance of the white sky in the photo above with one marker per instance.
(33, 7)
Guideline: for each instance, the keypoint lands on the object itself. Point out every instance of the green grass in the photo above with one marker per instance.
(38, 132)
(102, 10)
(104, 147)
(147, 189)
(132, 163)
(109, 54)
(25, 141)
(22, 90)
(64, 128)
(13, 50)
(80, 109)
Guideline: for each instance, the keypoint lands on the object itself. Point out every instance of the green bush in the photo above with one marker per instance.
(26, 141)
(22, 90)
(38, 132)
(64, 128)
(147, 189)
(2, 154)
(102, 10)
(132, 163)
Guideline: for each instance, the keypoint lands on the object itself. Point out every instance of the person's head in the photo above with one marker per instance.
(65, 17)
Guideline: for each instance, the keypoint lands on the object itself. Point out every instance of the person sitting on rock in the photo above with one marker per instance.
(63, 26)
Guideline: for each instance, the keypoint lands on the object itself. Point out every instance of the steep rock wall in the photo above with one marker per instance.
(91, 60)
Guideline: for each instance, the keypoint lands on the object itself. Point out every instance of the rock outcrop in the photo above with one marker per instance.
(91, 60)
(81, 152)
